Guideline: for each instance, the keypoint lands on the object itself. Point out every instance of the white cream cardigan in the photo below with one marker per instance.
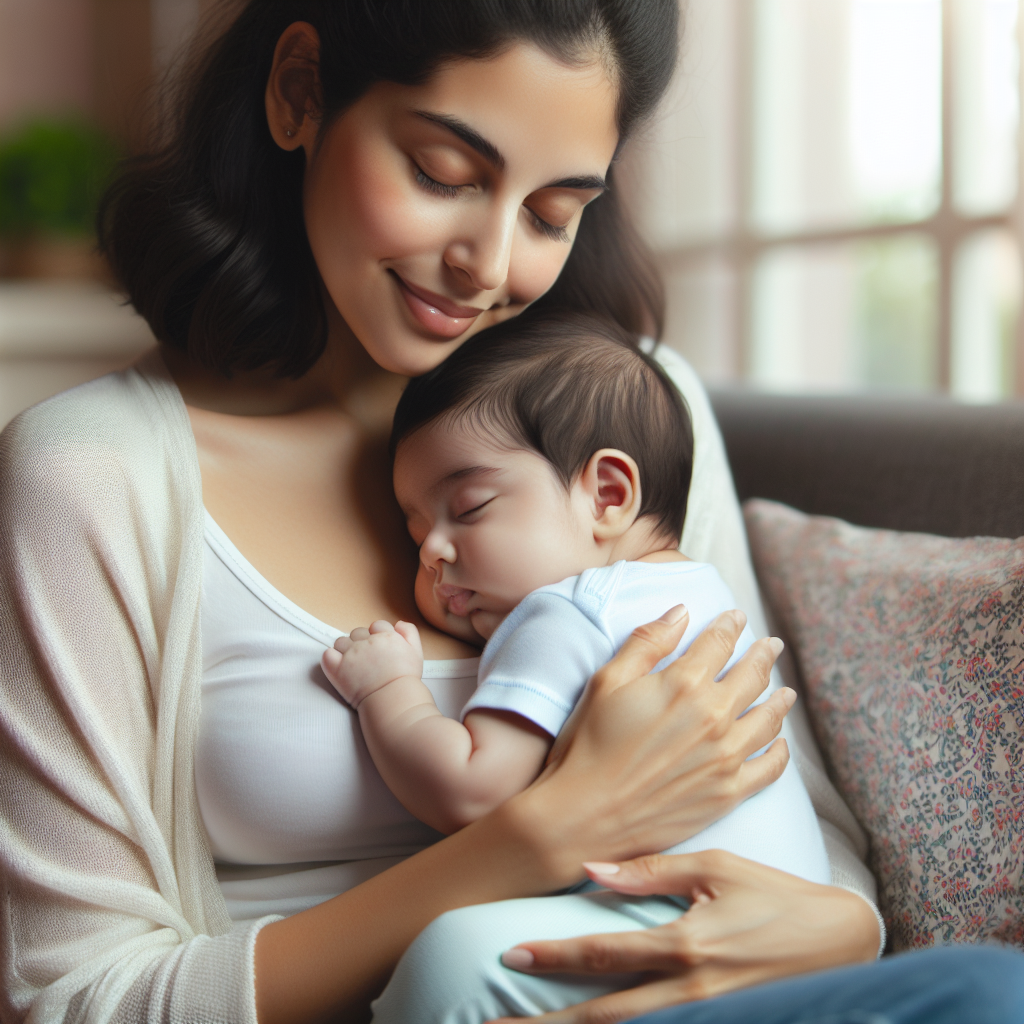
(111, 910)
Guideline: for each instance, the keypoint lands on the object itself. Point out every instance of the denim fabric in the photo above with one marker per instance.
(948, 985)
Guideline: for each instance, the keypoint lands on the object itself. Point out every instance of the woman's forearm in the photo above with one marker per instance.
(332, 960)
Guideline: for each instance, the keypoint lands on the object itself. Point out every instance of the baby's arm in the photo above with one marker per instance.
(445, 772)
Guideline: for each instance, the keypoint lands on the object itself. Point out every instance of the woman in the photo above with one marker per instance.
(350, 189)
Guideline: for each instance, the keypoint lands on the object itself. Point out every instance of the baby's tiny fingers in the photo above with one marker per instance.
(411, 634)
(359, 633)
(331, 661)
(343, 644)
(381, 626)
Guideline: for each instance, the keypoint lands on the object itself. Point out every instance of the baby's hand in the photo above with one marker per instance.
(367, 659)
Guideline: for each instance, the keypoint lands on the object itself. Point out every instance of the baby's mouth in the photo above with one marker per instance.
(455, 598)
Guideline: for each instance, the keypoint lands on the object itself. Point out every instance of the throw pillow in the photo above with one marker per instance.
(911, 652)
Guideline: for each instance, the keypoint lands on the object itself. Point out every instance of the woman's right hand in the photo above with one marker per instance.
(648, 760)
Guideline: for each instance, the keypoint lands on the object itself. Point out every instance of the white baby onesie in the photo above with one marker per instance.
(540, 658)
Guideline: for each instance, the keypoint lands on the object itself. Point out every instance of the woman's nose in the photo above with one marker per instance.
(483, 254)
(437, 548)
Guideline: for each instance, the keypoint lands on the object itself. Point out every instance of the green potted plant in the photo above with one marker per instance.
(52, 172)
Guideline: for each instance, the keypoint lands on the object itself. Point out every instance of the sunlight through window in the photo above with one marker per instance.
(832, 189)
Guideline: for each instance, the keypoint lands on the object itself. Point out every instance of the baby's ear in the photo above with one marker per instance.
(611, 483)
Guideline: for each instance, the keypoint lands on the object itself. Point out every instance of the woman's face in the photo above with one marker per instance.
(437, 210)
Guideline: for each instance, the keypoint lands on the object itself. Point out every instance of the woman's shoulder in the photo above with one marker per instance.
(690, 386)
(121, 428)
(113, 408)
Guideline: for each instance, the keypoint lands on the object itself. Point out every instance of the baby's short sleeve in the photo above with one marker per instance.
(539, 660)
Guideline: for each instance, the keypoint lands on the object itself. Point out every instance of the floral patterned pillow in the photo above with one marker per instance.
(911, 651)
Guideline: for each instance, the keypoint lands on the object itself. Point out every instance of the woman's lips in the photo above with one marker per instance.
(438, 315)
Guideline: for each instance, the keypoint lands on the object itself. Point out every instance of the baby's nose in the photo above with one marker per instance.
(436, 549)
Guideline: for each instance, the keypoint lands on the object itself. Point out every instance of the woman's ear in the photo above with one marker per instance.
(293, 97)
(611, 482)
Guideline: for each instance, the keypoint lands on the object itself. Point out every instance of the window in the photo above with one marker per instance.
(832, 190)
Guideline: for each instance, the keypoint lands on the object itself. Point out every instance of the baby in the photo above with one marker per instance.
(543, 470)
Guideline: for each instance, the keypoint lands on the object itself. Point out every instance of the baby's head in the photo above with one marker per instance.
(546, 446)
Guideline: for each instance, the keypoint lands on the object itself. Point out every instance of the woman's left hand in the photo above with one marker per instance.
(747, 924)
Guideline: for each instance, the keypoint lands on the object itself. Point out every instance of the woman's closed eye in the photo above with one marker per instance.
(555, 232)
(438, 188)
(552, 210)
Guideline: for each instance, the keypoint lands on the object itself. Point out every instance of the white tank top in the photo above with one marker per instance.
(295, 810)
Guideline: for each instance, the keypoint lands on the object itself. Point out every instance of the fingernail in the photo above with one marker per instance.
(600, 867)
(776, 645)
(738, 617)
(788, 695)
(517, 959)
(673, 615)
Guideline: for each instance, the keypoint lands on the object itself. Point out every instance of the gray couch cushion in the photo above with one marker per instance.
(928, 465)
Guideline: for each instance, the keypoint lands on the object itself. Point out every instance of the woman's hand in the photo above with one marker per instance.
(747, 924)
(648, 760)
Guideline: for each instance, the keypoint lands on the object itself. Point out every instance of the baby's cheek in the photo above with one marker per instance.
(428, 605)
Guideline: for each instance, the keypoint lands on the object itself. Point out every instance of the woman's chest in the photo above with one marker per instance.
(309, 503)
(282, 773)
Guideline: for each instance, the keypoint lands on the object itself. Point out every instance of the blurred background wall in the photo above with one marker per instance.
(832, 187)
(97, 57)
(46, 62)
(77, 90)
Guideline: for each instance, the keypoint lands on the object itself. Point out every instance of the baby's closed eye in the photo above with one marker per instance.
(473, 513)
(470, 502)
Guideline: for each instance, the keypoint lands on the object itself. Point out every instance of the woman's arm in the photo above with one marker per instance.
(747, 924)
(648, 760)
(109, 907)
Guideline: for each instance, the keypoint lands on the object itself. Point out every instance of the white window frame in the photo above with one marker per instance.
(742, 246)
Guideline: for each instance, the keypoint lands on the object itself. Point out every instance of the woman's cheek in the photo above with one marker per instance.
(375, 212)
(535, 268)
(392, 216)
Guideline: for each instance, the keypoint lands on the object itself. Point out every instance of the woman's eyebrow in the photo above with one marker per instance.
(584, 182)
(472, 138)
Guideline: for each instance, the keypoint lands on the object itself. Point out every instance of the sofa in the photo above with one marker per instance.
(888, 538)
(924, 464)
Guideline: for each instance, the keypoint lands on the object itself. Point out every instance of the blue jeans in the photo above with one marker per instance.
(948, 985)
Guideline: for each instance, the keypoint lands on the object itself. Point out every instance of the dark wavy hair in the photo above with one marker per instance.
(564, 385)
(206, 234)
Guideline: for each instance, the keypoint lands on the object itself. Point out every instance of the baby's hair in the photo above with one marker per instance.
(565, 386)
